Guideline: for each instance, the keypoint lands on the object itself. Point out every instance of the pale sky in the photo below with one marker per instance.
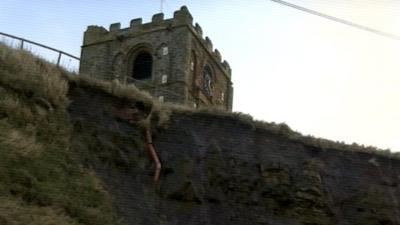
(318, 76)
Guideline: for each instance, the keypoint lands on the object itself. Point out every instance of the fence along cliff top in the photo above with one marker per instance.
(23, 42)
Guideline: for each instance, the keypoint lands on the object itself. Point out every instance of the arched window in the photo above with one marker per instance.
(207, 80)
(142, 66)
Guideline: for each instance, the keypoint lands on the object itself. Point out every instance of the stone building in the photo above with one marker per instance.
(169, 58)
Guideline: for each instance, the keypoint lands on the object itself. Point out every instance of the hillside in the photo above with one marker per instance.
(42, 180)
(73, 152)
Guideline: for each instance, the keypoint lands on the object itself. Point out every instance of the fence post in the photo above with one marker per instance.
(59, 59)
(22, 44)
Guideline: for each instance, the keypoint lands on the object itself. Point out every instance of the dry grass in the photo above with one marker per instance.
(13, 106)
(32, 76)
(22, 141)
(114, 88)
(17, 212)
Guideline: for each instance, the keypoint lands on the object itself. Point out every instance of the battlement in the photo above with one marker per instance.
(182, 17)
(97, 34)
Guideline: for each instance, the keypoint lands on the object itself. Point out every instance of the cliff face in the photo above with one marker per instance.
(220, 170)
(65, 151)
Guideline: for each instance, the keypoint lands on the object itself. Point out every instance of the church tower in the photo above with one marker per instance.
(169, 58)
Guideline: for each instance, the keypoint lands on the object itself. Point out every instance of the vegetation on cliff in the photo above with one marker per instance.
(41, 179)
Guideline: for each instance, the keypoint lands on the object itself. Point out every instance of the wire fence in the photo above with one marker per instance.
(58, 57)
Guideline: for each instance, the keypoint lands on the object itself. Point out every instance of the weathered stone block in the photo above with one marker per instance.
(157, 18)
(115, 27)
(136, 22)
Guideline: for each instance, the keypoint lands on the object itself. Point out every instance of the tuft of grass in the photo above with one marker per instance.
(15, 211)
(12, 106)
(130, 92)
(21, 141)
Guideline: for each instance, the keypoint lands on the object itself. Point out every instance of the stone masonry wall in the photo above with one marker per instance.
(222, 90)
(109, 54)
(112, 60)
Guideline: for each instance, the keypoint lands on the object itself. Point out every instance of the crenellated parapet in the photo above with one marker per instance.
(157, 18)
(198, 30)
(182, 17)
(226, 66)
(95, 34)
(115, 27)
(209, 44)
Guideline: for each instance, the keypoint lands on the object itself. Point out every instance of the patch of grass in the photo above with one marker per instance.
(33, 77)
(14, 108)
(14, 211)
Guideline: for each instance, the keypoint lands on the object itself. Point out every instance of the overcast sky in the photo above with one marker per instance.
(320, 77)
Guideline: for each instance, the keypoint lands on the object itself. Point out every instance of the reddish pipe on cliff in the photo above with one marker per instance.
(153, 154)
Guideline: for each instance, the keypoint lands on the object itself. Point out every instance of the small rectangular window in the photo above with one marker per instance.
(164, 79)
(165, 50)
(161, 98)
(192, 66)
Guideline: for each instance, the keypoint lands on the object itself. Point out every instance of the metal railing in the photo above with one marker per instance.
(23, 42)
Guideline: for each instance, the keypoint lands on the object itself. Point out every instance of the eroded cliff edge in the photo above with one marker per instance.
(219, 169)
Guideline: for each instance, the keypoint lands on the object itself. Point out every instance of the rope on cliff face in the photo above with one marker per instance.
(153, 154)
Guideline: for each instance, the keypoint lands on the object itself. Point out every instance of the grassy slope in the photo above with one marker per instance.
(41, 181)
